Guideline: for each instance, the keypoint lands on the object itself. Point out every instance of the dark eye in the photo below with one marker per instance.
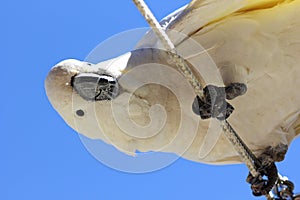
(80, 113)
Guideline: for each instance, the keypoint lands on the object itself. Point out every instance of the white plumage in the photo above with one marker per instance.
(256, 42)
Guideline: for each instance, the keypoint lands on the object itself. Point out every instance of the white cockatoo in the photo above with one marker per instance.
(139, 102)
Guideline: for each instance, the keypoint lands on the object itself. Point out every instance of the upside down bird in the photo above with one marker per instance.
(254, 46)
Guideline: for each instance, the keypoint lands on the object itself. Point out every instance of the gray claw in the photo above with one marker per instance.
(234, 90)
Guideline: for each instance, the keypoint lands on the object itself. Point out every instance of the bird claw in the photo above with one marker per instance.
(214, 104)
(234, 90)
(263, 184)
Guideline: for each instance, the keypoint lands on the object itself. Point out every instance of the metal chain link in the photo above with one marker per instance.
(246, 154)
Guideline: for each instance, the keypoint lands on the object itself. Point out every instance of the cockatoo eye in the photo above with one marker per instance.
(80, 113)
(95, 87)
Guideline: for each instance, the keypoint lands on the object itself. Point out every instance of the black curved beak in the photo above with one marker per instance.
(95, 87)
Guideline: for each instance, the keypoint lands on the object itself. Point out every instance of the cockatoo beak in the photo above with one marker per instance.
(93, 82)
(92, 86)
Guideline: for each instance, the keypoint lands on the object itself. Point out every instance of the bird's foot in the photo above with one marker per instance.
(214, 104)
(262, 185)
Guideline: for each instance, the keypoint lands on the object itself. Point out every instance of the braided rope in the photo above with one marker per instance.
(247, 156)
(154, 24)
(178, 60)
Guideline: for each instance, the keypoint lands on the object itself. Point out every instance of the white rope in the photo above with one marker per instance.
(179, 61)
(154, 24)
(230, 133)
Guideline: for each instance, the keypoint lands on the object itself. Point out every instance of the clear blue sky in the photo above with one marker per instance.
(43, 158)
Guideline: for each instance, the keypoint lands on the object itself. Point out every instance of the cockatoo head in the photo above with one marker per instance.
(72, 79)
(115, 100)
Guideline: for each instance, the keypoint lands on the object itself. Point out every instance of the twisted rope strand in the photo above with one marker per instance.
(247, 156)
(178, 60)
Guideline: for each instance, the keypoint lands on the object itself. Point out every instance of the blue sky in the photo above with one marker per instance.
(43, 157)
